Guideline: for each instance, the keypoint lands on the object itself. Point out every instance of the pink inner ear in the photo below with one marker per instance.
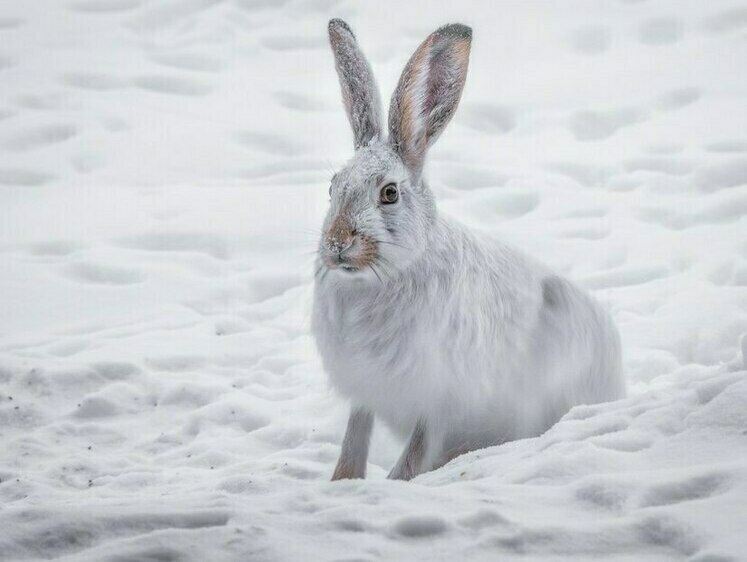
(431, 88)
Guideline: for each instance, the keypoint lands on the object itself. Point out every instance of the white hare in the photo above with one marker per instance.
(452, 339)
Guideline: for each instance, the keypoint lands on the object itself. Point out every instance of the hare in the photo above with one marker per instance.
(455, 341)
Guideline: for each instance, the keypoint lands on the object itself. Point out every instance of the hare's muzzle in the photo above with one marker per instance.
(346, 248)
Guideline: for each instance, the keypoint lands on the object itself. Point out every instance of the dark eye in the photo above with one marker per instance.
(330, 190)
(389, 194)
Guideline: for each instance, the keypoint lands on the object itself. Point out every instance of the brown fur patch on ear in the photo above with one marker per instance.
(411, 123)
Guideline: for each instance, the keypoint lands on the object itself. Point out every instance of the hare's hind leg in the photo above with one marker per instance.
(352, 463)
(415, 457)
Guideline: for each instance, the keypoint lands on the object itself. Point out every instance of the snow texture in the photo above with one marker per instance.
(164, 169)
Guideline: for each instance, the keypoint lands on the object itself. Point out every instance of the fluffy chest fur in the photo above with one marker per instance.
(446, 336)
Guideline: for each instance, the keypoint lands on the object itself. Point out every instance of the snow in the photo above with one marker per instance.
(163, 175)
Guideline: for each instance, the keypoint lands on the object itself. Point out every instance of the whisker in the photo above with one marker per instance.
(385, 261)
(371, 267)
(383, 270)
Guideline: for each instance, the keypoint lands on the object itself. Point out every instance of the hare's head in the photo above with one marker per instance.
(381, 211)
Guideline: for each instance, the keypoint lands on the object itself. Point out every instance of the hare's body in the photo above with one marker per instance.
(449, 337)
(476, 339)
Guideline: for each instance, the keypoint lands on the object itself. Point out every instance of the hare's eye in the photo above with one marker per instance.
(389, 194)
(330, 190)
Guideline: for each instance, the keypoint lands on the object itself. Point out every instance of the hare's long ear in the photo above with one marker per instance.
(359, 92)
(428, 93)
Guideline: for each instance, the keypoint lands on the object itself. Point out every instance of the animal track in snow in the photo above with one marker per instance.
(178, 242)
(665, 149)
(727, 174)
(709, 390)
(668, 532)
(506, 204)
(660, 31)
(20, 177)
(300, 102)
(87, 162)
(100, 274)
(587, 213)
(172, 85)
(606, 494)
(283, 168)
(624, 277)
(38, 137)
(50, 533)
(188, 61)
(591, 39)
(260, 5)
(420, 526)
(6, 62)
(727, 21)
(678, 98)
(267, 284)
(10, 23)
(53, 248)
(115, 371)
(160, 16)
(226, 412)
(626, 442)
(177, 363)
(488, 118)
(730, 274)
(92, 81)
(664, 165)
(690, 489)
(94, 406)
(594, 125)
(483, 519)
(706, 557)
(467, 178)
(293, 42)
(727, 209)
(585, 174)
(590, 232)
(105, 6)
(727, 146)
(268, 142)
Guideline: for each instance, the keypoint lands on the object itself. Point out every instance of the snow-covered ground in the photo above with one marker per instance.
(163, 175)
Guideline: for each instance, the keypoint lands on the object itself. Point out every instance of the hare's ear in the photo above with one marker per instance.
(359, 92)
(428, 93)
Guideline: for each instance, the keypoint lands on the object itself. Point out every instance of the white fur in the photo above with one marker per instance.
(465, 340)
(451, 329)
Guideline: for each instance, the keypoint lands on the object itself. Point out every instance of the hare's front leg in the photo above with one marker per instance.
(415, 457)
(354, 455)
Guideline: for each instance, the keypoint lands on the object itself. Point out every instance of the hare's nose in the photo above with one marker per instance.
(339, 246)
